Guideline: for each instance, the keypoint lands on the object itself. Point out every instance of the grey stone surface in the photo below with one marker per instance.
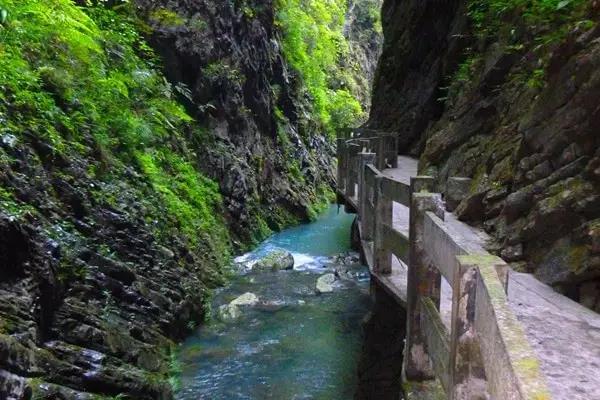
(325, 283)
(534, 155)
(228, 312)
(564, 335)
(277, 260)
(457, 188)
(247, 299)
(233, 310)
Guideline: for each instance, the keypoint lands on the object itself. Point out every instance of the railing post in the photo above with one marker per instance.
(364, 160)
(369, 229)
(370, 208)
(466, 366)
(424, 280)
(395, 142)
(381, 153)
(351, 154)
(383, 216)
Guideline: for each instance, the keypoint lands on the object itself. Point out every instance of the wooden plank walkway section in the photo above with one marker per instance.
(531, 342)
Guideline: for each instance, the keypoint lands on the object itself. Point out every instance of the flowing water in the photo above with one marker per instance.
(295, 344)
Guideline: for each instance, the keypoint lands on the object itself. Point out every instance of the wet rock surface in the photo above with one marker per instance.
(325, 284)
(233, 310)
(229, 61)
(278, 260)
(532, 152)
(93, 294)
(92, 323)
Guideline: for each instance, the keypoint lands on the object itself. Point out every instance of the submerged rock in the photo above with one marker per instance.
(247, 299)
(231, 311)
(347, 258)
(228, 312)
(343, 273)
(273, 306)
(325, 283)
(277, 260)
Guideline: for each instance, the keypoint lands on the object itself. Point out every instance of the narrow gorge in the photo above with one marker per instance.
(169, 168)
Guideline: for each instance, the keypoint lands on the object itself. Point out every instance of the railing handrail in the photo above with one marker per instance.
(507, 361)
(353, 133)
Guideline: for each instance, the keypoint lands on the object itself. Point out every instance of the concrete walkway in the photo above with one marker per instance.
(564, 334)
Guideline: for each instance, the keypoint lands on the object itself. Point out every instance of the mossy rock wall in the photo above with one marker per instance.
(142, 144)
(505, 92)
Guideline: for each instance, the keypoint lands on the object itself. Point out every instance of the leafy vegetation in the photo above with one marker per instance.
(167, 17)
(84, 81)
(314, 44)
(520, 25)
(490, 15)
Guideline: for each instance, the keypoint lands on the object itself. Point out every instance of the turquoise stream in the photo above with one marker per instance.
(296, 344)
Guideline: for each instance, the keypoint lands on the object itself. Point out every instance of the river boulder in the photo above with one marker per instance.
(277, 260)
(325, 283)
(229, 312)
(247, 299)
(232, 310)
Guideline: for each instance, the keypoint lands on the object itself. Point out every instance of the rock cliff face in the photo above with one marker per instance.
(364, 34)
(509, 99)
(108, 249)
(264, 149)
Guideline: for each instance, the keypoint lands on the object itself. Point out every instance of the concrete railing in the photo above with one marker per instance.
(352, 142)
(482, 351)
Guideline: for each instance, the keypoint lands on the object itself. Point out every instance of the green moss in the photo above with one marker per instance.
(284, 143)
(11, 206)
(295, 172)
(6, 326)
(565, 192)
(193, 200)
(83, 81)
(260, 230)
(34, 384)
(502, 172)
(536, 80)
(175, 369)
(528, 368)
(577, 257)
(519, 26)
(325, 196)
(197, 23)
(167, 17)
(464, 73)
(479, 179)
(489, 16)
(223, 70)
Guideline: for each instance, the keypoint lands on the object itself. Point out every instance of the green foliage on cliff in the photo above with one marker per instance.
(488, 14)
(314, 44)
(546, 21)
(83, 81)
(520, 26)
